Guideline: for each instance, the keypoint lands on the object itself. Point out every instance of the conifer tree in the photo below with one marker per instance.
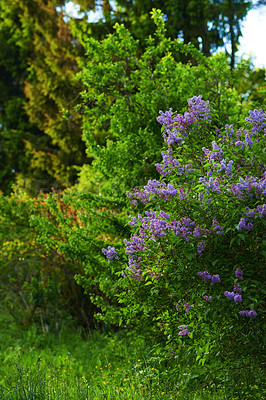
(38, 66)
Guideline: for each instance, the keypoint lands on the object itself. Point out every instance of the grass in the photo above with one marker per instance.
(36, 366)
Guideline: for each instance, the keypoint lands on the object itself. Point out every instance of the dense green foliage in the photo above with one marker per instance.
(125, 89)
(37, 284)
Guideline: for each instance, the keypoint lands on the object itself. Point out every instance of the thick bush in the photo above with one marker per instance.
(36, 282)
(194, 278)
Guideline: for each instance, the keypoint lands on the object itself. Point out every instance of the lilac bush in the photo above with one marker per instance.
(203, 218)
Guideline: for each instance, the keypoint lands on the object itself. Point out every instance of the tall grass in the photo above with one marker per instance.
(69, 366)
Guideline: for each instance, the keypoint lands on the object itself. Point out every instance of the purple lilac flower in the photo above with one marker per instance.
(237, 288)
(134, 269)
(205, 275)
(211, 184)
(200, 108)
(136, 244)
(237, 298)
(248, 142)
(132, 222)
(226, 168)
(187, 306)
(215, 279)
(187, 221)
(257, 119)
(249, 226)
(217, 227)
(183, 330)
(200, 247)
(229, 295)
(242, 224)
(177, 126)
(165, 118)
(248, 313)
(208, 298)
(215, 154)
(250, 213)
(229, 130)
(110, 253)
(239, 274)
(262, 210)
(240, 144)
(200, 197)
(153, 189)
(244, 187)
(135, 273)
(197, 232)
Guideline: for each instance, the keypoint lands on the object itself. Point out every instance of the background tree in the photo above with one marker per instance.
(42, 83)
(209, 25)
(14, 122)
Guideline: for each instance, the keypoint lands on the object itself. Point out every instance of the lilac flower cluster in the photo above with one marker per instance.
(134, 268)
(227, 168)
(231, 295)
(136, 244)
(235, 295)
(154, 225)
(187, 306)
(176, 127)
(245, 187)
(153, 189)
(237, 288)
(200, 109)
(205, 275)
(258, 120)
(183, 330)
(208, 298)
(248, 142)
(215, 154)
(215, 279)
(248, 313)
(184, 228)
(211, 185)
(170, 163)
(242, 225)
(239, 274)
(200, 247)
(217, 227)
(110, 253)
(261, 210)
(249, 187)
(245, 223)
